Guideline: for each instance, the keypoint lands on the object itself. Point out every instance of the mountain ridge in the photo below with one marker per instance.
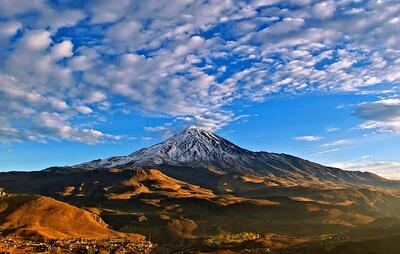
(198, 148)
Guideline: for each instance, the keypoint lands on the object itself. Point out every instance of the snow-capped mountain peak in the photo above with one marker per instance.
(196, 134)
(195, 152)
(193, 145)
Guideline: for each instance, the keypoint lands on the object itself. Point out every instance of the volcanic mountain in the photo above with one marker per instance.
(196, 153)
(197, 185)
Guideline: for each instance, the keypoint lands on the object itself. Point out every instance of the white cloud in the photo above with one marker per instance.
(62, 50)
(54, 126)
(339, 142)
(326, 151)
(383, 115)
(95, 96)
(55, 19)
(308, 138)
(285, 26)
(390, 170)
(58, 104)
(84, 60)
(164, 130)
(8, 29)
(84, 109)
(36, 40)
(333, 129)
(324, 10)
(43, 126)
(105, 11)
(164, 61)
(124, 31)
(9, 8)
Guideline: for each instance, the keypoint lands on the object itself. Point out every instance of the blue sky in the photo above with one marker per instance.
(81, 80)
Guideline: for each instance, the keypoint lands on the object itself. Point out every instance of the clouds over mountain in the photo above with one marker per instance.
(383, 168)
(187, 60)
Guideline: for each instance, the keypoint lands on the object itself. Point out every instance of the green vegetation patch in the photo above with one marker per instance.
(227, 238)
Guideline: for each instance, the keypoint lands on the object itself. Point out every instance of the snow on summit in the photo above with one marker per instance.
(193, 144)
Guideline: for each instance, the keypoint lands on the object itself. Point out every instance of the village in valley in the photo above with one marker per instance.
(78, 246)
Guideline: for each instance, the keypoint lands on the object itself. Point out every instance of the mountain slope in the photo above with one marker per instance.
(44, 217)
(112, 184)
(194, 146)
(151, 202)
(197, 151)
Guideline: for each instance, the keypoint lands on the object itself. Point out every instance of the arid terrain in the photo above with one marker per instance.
(198, 192)
(200, 126)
